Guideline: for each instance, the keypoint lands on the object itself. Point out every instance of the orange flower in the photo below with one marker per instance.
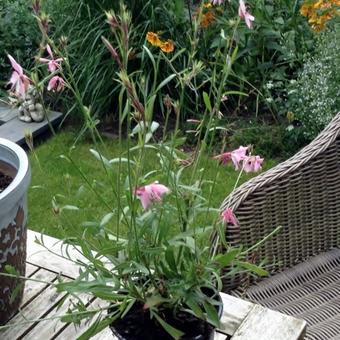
(167, 46)
(207, 19)
(319, 12)
(306, 10)
(153, 39)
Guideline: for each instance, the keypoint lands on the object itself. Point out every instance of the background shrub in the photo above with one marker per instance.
(19, 35)
(315, 97)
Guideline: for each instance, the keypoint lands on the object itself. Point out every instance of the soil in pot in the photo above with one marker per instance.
(7, 174)
(137, 325)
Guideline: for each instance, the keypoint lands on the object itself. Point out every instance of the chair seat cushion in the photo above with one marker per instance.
(309, 291)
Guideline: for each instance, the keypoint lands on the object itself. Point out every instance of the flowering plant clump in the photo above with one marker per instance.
(150, 249)
(319, 12)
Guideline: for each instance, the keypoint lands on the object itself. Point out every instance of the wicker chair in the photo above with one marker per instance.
(302, 195)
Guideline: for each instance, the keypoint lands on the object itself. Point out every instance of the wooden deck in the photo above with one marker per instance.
(241, 320)
(14, 129)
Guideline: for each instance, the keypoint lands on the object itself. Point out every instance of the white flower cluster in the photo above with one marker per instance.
(315, 97)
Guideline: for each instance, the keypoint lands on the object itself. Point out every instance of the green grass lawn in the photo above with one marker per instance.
(53, 176)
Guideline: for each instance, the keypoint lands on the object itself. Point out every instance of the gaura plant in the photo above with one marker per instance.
(150, 252)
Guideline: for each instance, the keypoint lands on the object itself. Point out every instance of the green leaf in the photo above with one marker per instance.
(207, 101)
(15, 292)
(69, 207)
(194, 306)
(100, 157)
(253, 268)
(106, 219)
(95, 328)
(153, 301)
(121, 160)
(170, 259)
(165, 81)
(212, 315)
(225, 259)
(175, 333)
(11, 270)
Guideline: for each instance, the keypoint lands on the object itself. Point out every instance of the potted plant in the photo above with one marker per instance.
(148, 258)
(14, 182)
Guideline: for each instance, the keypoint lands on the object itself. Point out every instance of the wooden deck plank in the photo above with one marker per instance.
(7, 113)
(30, 269)
(265, 324)
(71, 332)
(15, 129)
(36, 309)
(235, 310)
(50, 328)
(36, 254)
(33, 288)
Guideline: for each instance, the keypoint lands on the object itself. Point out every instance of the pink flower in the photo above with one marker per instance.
(53, 64)
(151, 193)
(19, 81)
(243, 14)
(223, 158)
(229, 217)
(238, 155)
(216, 2)
(235, 156)
(56, 83)
(252, 163)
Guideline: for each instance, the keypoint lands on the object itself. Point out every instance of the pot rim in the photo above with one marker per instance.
(23, 169)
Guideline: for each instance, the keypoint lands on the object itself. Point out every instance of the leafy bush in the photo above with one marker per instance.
(315, 97)
(269, 53)
(18, 34)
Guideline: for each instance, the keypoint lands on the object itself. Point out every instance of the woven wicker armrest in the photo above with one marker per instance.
(302, 195)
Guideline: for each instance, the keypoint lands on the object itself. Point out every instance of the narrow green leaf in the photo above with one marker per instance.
(194, 306)
(207, 101)
(106, 219)
(226, 259)
(253, 268)
(95, 328)
(175, 333)
(165, 81)
(212, 314)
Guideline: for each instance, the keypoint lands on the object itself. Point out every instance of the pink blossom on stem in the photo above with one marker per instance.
(252, 163)
(229, 217)
(53, 64)
(223, 158)
(238, 155)
(19, 80)
(244, 14)
(151, 193)
(56, 84)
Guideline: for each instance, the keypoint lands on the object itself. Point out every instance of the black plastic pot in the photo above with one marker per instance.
(137, 325)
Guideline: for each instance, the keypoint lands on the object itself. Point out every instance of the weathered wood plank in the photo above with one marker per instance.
(220, 336)
(36, 309)
(71, 332)
(30, 269)
(235, 311)
(265, 324)
(7, 113)
(15, 129)
(38, 255)
(33, 288)
(49, 328)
